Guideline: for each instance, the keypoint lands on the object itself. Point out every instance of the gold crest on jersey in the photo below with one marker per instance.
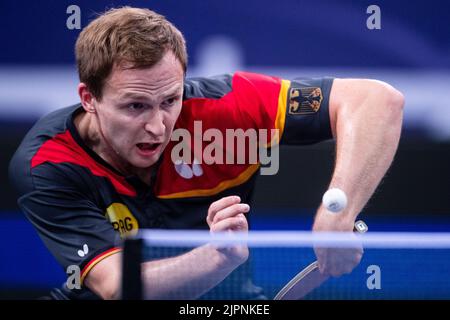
(305, 100)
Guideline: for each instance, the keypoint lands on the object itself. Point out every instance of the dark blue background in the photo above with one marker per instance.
(414, 34)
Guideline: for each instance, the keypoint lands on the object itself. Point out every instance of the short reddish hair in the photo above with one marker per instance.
(135, 36)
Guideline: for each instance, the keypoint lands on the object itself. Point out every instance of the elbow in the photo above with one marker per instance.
(396, 100)
(104, 285)
(372, 101)
(112, 294)
(393, 103)
(106, 291)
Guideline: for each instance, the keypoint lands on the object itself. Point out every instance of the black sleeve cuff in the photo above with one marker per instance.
(307, 115)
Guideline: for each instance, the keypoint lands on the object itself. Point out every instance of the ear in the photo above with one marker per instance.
(86, 97)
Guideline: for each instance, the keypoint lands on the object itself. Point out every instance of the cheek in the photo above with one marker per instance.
(118, 131)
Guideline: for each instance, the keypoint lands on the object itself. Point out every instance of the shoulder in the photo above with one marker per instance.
(46, 129)
(216, 87)
(207, 87)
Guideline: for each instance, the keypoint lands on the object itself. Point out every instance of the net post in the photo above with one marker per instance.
(131, 269)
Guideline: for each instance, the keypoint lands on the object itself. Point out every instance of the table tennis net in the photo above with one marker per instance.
(393, 266)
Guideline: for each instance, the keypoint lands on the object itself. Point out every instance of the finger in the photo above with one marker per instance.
(331, 261)
(323, 268)
(335, 271)
(238, 223)
(231, 211)
(349, 257)
(223, 203)
(321, 257)
(242, 225)
(219, 205)
(344, 267)
(343, 264)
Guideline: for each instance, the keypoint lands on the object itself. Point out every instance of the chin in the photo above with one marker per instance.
(145, 163)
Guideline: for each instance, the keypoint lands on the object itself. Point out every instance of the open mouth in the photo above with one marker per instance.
(148, 146)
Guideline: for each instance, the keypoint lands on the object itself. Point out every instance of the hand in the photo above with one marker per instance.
(336, 261)
(227, 214)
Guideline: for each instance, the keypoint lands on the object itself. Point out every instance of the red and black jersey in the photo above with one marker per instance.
(81, 206)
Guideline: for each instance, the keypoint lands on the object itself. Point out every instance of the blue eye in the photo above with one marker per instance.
(136, 106)
(169, 102)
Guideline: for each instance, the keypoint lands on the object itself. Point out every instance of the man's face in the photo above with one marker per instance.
(138, 111)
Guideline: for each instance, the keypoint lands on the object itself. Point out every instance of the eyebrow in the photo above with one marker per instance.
(139, 96)
(130, 95)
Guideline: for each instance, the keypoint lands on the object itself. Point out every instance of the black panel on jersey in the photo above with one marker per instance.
(214, 87)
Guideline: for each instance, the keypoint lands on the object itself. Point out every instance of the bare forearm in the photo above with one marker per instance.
(367, 132)
(187, 276)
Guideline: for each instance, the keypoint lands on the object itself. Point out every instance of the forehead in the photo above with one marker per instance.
(167, 74)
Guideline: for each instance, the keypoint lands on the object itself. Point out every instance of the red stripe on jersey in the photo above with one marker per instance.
(96, 260)
(63, 148)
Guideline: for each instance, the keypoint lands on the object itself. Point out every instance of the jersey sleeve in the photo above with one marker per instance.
(307, 118)
(67, 219)
(299, 109)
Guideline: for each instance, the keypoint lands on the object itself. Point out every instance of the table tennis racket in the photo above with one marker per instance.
(310, 277)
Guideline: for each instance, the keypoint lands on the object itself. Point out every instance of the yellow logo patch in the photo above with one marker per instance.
(122, 220)
(305, 100)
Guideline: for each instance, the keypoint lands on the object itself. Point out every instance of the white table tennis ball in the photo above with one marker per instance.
(334, 200)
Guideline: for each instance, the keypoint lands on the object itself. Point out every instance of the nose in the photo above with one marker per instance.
(155, 124)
